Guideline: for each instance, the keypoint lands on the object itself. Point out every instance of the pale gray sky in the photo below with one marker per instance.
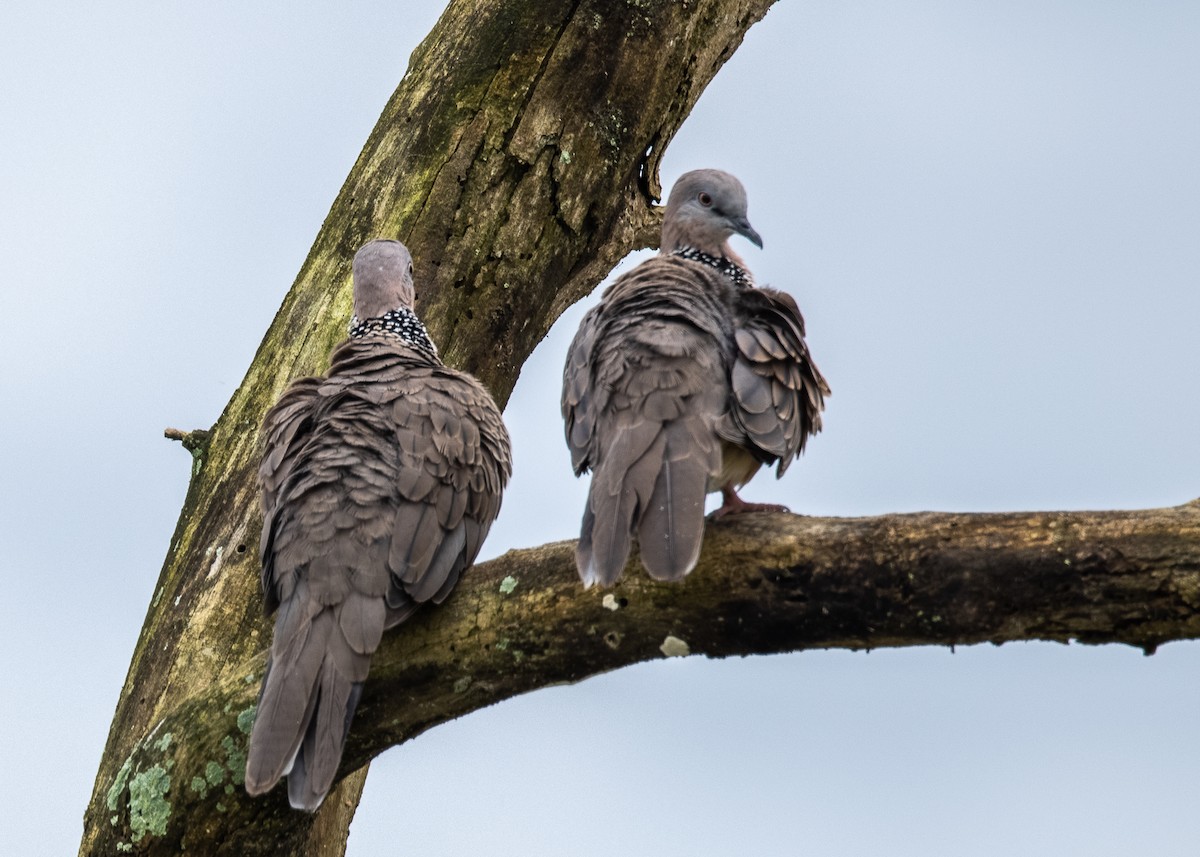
(989, 213)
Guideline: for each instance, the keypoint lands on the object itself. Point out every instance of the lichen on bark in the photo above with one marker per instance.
(518, 159)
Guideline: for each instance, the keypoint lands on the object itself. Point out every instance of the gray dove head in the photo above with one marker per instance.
(705, 208)
(382, 278)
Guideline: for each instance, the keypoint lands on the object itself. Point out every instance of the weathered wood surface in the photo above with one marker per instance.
(518, 160)
(765, 583)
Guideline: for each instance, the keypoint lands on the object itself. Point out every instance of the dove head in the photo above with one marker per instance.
(383, 278)
(704, 209)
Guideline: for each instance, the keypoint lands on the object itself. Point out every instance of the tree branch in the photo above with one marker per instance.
(517, 159)
(764, 584)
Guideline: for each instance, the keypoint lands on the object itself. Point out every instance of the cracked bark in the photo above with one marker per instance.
(518, 159)
(765, 583)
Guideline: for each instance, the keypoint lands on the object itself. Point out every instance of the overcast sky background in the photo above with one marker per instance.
(989, 213)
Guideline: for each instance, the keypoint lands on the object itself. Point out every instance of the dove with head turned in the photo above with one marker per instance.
(684, 380)
(379, 483)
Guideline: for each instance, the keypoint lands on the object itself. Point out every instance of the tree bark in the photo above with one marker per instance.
(764, 584)
(518, 160)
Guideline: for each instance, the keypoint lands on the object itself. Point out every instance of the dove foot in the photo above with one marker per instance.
(732, 504)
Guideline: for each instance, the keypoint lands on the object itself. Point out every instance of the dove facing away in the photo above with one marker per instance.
(379, 484)
(684, 380)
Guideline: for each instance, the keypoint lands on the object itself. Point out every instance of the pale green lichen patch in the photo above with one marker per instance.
(235, 760)
(220, 807)
(214, 774)
(507, 585)
(462, 684)
(245, 720)
(124, 847)
(118, 786)
(673, 647)
(503, 644)
(149, 809)
(200, 786)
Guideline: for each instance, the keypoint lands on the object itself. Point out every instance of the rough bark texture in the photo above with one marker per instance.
(518, 160)
(765, 583)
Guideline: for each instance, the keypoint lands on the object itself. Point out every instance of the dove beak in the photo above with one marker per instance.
(742, 227)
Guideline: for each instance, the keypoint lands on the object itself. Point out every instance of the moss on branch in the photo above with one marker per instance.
(765, 584)
(518, 160)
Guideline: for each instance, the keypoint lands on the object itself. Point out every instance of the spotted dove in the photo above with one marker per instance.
(684, 380)
(379, 483)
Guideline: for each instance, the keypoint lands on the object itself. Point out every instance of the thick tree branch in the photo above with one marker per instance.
(765, 584)
(518, 160)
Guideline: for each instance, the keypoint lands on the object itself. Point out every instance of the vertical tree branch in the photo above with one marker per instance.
(518, 160)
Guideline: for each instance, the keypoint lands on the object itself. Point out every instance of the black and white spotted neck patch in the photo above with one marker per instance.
(740, 276)
(402, 322)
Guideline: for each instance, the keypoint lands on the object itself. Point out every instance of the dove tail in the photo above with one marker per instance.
(655, 485)
(304, 712)
(671, 529)
(605, 537)
(320, 753)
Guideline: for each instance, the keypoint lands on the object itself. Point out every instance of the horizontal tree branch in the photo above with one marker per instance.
(766, 583)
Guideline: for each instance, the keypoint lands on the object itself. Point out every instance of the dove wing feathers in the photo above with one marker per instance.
(776, 391)
(379, 485)
(643, 391)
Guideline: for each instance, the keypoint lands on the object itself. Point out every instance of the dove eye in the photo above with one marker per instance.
(705, 199)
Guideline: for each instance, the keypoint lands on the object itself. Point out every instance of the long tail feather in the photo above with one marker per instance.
(671, 529)
(305, 708)
(287, 698)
